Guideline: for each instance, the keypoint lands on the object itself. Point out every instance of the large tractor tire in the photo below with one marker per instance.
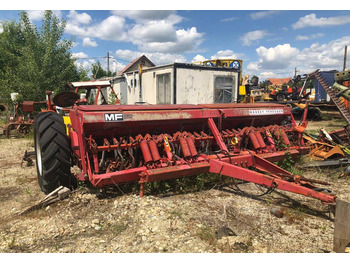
(53, 153)
(280, 97)
(314, 113)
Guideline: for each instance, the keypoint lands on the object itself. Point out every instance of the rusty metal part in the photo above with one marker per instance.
(65, 99)
(260, 139)
(154, 150)
(21, 127)
(184, 147)
(322, 151)
(28, 157)
(146, 152)
(192, 147)
(254, 140)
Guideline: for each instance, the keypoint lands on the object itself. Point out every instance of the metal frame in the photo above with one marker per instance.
(260, 139)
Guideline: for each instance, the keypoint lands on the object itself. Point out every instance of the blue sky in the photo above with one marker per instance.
(270, 43)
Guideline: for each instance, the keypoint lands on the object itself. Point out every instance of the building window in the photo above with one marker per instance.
(223, 89)
(163, 89)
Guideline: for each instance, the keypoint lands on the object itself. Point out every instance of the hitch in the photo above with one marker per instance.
(272, 176)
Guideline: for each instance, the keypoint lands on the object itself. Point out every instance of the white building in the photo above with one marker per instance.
(177, 83)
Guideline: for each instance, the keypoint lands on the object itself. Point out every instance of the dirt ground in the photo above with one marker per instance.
(214, 219)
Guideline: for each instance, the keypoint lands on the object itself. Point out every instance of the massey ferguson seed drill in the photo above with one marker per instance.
(114, 144)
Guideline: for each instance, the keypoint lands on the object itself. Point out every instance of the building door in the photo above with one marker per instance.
(163, 89)
(224, 89)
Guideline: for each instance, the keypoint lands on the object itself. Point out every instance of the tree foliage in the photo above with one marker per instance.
(33, 60)
(98, 72)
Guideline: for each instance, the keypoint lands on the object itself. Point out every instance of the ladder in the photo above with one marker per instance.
(332, 94)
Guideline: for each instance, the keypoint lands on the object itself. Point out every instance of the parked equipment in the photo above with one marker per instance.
(22, 119)
(113, 144)
(334, 94)
(291, 92)
(249, 91)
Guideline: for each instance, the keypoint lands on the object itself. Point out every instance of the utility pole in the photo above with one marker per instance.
(107, 63)
(345, 55)
(295, 72)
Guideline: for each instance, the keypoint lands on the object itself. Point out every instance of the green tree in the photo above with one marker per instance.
(11, 43)
(82, 74)
(35, 60)
(98, 72)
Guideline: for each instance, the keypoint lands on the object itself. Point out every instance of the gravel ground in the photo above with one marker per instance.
(215, 219)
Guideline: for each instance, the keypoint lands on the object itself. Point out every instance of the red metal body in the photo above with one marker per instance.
(22, 119)
(116, 144)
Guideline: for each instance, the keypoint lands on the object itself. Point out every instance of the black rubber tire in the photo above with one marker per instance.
(314, 114)
(280, 97)
(52, 152)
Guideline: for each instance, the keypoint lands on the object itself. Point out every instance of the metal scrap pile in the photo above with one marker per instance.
(333, 148)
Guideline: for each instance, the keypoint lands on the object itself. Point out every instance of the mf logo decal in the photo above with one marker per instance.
(114, 117)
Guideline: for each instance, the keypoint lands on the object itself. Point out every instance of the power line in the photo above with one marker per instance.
(103, 57)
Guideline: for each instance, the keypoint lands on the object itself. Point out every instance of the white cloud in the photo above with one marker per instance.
(229, 19)
(88, 42)
(144, 15)
(117, 66)
(154, 31)
(312, 21)
(37, 15)
(326, 56)
(127, 55)
(75, 30)
(308, 37)
(267, 74)
(78, 18)
(185, 41)
(278, 57)
(251, 37)
(112, 28)
(198, 58)
(253, 66)
(263, 14)
(157, 58)
(79, 55)
(227, 54)
(86, 65)
(282, 59)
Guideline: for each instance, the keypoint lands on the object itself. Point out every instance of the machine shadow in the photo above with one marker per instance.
(275, 198)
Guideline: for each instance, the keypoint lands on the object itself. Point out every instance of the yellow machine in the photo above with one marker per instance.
(67, 121)
(255, 93)
(232, 63)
